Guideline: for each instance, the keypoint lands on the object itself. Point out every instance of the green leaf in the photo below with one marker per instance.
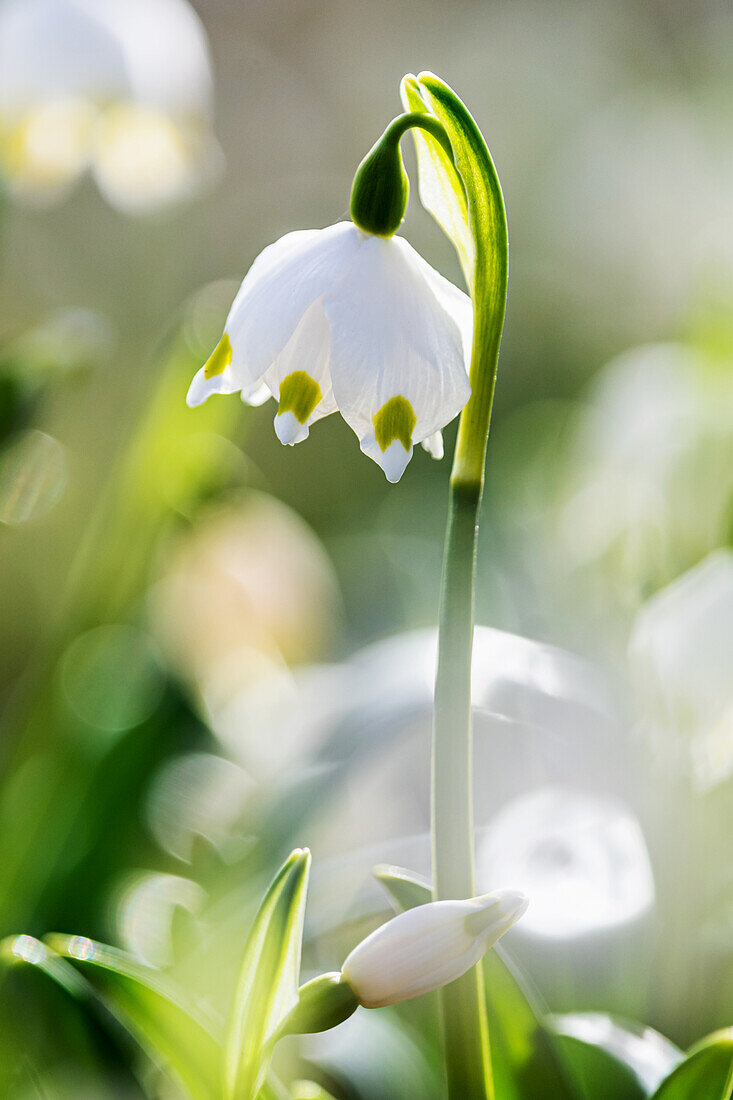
(268, 983)
(603, 1053)
(25, 950)
(309, 1090)
(705, 1074)
(375, 1057)
(601, 1048)
(405, 889)
(152, 1010)
(83, 1029)
(273, 1089)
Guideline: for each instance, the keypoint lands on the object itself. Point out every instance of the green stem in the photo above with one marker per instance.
(452, 741)
(463, 1009)
(463, 1004)
(460, 187)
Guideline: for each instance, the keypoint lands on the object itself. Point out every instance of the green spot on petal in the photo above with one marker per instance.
(395, 420)
(299, 394)
(219, 359)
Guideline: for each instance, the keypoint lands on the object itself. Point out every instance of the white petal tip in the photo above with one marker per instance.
(433, 444)
(494, 914)
(289, 430)
(202, 387)
(256, 395)
(199, 390)
(394, 460)
(513, 904)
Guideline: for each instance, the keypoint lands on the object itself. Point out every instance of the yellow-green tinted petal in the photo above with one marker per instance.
(299, 394)
(219, 359)
(394, 421)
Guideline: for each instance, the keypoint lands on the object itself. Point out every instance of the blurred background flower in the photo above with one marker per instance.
(121, 88)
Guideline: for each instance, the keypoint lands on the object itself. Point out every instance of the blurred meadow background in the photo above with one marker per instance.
(215, 648)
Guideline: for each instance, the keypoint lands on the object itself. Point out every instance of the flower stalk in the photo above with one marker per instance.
(472, 200)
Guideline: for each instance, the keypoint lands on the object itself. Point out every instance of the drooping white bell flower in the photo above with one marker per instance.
(429, 946)
(122, 88)
(339, 319)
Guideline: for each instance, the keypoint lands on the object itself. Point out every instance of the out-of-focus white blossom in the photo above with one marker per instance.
(146, 904)
(652, 466)
(250, 579)
(121, 88)
(681, 655)
(247, 596)
(581, 858)
(427, 947)
(198, 795)
(338, 319)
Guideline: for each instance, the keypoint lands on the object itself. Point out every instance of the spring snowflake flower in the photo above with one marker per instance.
(339, 319)
(427, 947)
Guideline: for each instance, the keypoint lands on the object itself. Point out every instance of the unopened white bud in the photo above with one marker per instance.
(428, 946)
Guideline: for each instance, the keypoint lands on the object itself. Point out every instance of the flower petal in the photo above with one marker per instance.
(202, 387)
(457, 304)
(433, 444)
(256, 395)
(285, 279)
(300, 379)
(426, 947)
(215, 375)
(394, 334)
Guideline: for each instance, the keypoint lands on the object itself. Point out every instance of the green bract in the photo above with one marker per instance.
(323, 1003)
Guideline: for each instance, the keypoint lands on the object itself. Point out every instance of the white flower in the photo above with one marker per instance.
(582, 859)
(336, 318)
(682, 661)
(428, 947)
(119, 87)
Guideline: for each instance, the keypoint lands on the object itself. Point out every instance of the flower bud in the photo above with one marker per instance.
(380, 189)
(428, 946)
